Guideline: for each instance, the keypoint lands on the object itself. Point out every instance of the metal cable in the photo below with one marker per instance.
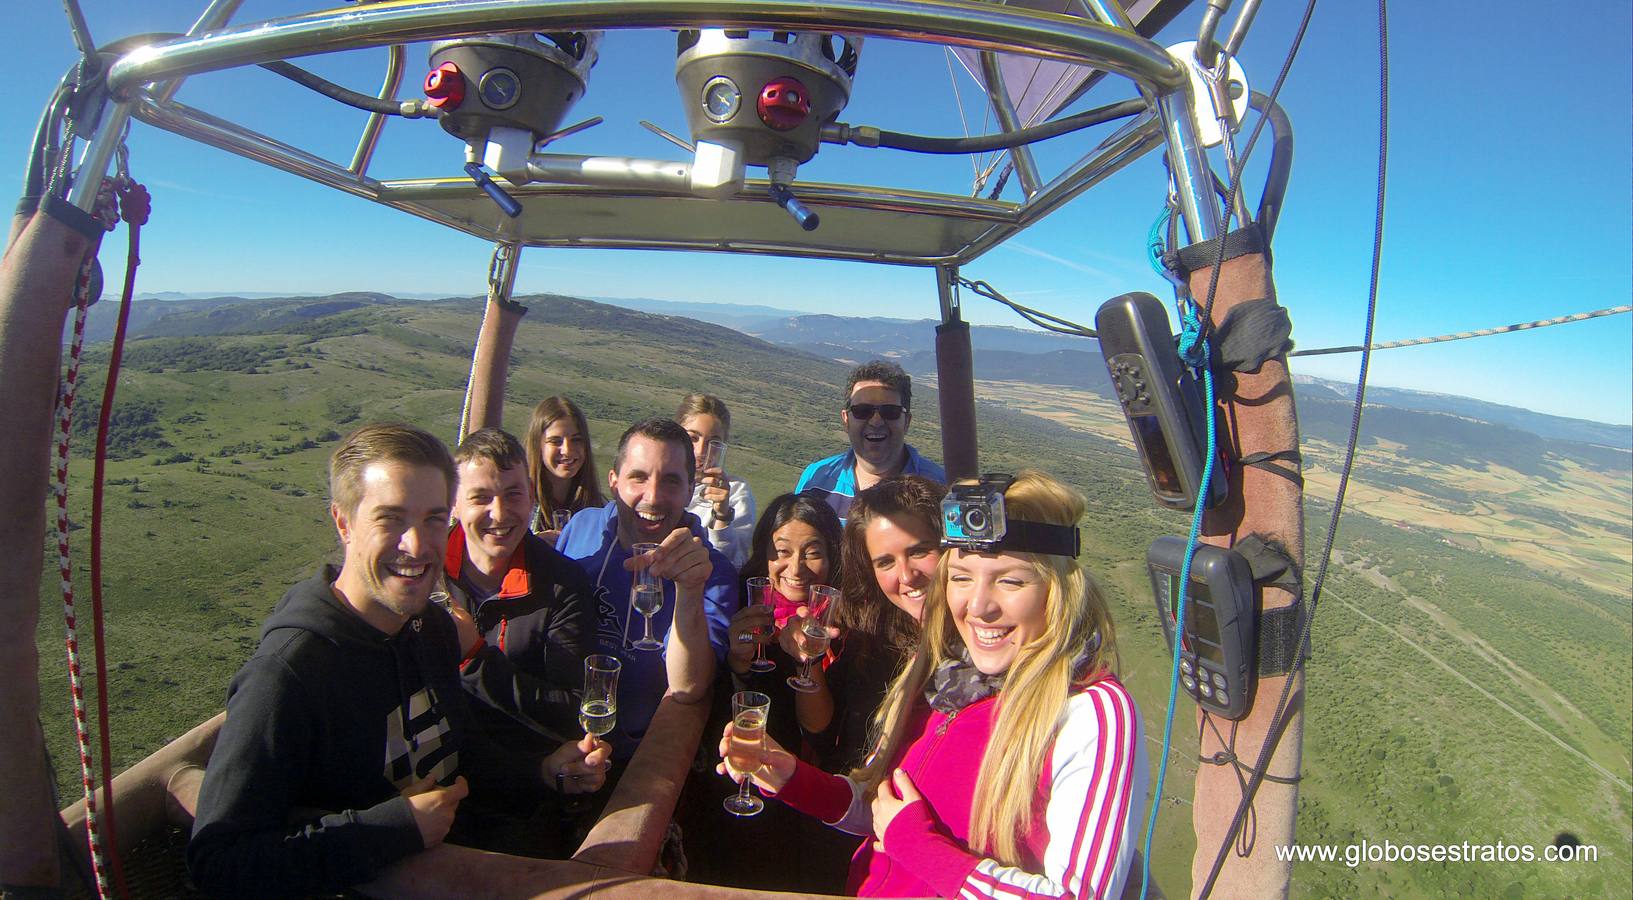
(1036, 317)
(1463, 335)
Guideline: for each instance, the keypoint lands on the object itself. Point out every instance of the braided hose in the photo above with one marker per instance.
(65, 409)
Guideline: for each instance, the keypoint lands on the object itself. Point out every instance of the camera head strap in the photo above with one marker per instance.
(973, 518)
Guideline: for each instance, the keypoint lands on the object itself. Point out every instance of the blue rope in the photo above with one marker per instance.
(1188, 347)
(1155, 244)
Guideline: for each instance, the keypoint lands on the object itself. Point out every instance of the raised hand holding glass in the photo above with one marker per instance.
(814, 636)
(646, 594)
(744, 752)
(598, 710)
(714, 456)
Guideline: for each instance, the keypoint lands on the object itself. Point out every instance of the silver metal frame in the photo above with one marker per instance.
(936, 229)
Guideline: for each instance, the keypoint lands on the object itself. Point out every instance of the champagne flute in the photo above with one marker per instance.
(444, 600)
(749, 711)
(646, 593)
(814, 628)
(714, 456)
(598, 710)
(441, 592)
(759, 591)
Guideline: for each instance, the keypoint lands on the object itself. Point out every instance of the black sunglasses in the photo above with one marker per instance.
(864, 411)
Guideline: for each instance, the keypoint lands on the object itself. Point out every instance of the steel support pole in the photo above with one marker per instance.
(1188, 161)
(93, 164)
(1026, 168)
(955, 381)
(485, 406)
(981, 26)
(388, 91)
(217, 14)
(1238, 32)
(1111, 12)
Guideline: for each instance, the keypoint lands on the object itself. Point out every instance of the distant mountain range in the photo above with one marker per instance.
(1543, 424)
(1002, 353)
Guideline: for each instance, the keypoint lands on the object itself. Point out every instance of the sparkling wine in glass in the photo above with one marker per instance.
(598, 710)
(749, 711)
(814, 630)
(759, 591)
(646, 594)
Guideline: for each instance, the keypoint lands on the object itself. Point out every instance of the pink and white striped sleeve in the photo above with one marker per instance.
(1098, 785)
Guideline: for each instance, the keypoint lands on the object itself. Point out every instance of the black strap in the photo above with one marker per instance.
(1241, 242)
(1269, 562)
(1021, 536)
(1278, 629)
(1266, 461)
(1229, 758)
(66, 213)
(1252, 332)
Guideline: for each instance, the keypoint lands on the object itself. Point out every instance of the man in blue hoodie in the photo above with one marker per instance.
(651, 482)
(347, 731)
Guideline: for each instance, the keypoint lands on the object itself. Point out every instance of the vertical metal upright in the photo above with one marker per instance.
(485, 391)
(955, 377)
(1004, 108)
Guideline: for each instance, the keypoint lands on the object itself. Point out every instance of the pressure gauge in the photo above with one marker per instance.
(500, 88)
(721, 98)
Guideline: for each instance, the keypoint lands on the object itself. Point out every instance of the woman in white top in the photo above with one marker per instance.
(724, 504)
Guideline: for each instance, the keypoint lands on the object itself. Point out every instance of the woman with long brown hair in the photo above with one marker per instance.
(892, 544)
(560, 463)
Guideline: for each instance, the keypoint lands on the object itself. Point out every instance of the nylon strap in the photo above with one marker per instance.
(1241, 242)
(1251, 333)
(1266, 461)
(1278, 629)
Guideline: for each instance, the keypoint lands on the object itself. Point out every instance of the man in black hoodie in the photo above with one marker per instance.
(347, 729)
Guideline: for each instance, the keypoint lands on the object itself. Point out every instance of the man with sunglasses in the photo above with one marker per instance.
(878, 400)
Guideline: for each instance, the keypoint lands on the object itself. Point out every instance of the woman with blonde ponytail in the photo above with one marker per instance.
(1009, 761)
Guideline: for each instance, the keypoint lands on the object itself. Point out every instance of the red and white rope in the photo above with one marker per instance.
(65, 410)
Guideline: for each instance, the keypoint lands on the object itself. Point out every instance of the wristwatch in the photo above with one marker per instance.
(720, 521)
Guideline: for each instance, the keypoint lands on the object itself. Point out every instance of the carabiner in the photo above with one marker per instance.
(121, 165)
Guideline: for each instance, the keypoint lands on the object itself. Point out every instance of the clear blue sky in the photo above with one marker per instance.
(1509, 190)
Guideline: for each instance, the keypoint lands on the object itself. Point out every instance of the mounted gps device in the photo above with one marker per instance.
(1159, 398)
(973, 518)
(1216, 665)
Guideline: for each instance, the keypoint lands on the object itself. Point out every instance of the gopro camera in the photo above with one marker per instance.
(972, 515)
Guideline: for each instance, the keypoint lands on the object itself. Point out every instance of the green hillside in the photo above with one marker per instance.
(216, 503)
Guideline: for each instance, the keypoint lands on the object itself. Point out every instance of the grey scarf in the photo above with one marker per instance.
(957, 683)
